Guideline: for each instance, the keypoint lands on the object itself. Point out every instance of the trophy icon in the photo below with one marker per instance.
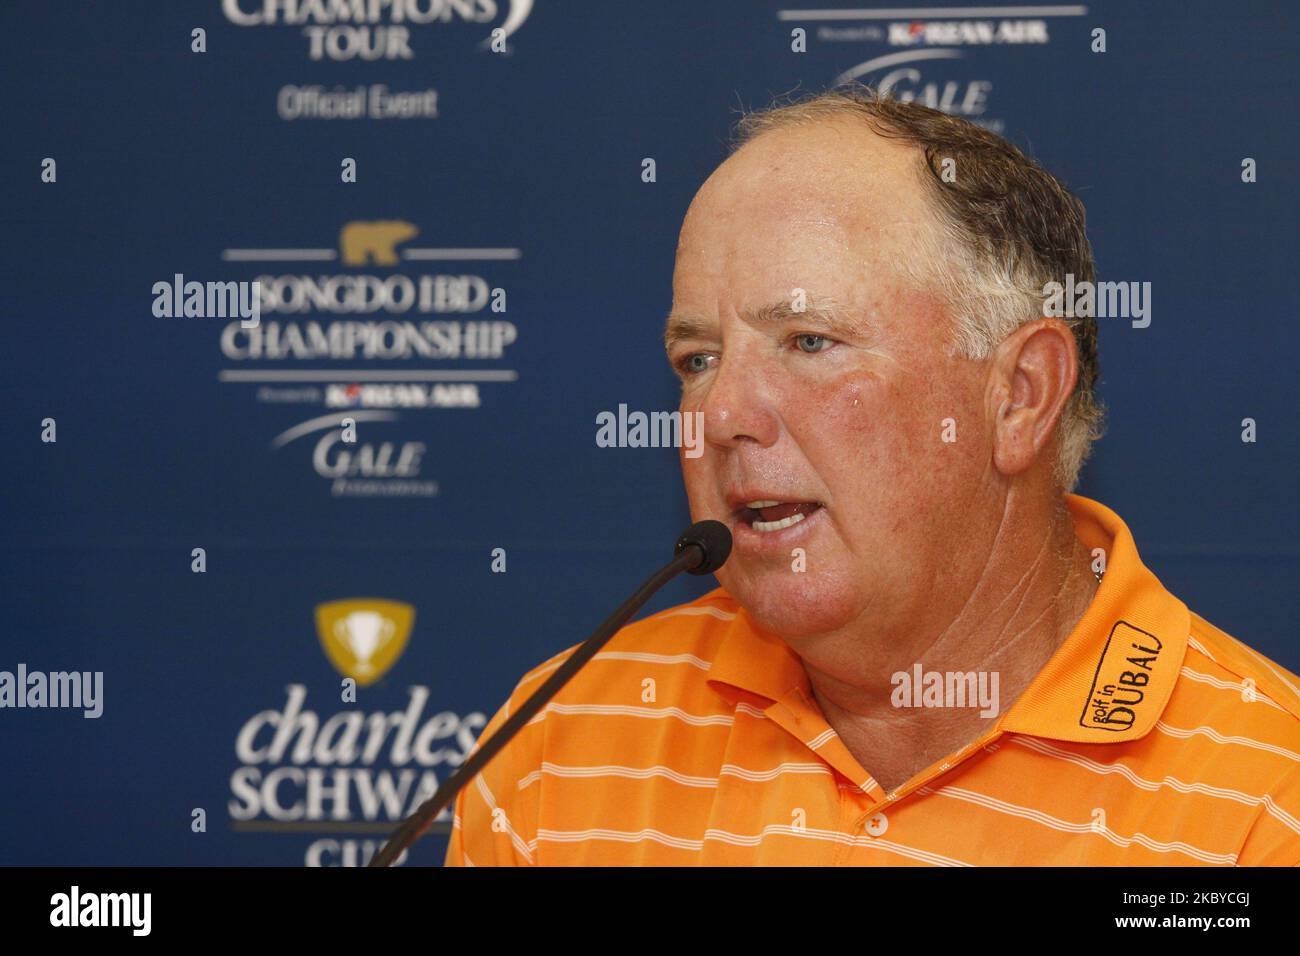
(363, 637)
(364, 632)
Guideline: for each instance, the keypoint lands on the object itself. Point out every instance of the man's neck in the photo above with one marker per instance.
(1030, 594)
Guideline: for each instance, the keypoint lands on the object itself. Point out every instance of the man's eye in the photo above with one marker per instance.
(694, 363)
(812, 344)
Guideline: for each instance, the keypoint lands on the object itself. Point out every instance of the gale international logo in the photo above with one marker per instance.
(907, 77)
(363, 468)
(916, 71)
(364, 637)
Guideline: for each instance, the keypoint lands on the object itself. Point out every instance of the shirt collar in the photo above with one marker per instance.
(1112, 677)
(753, 662)
(1108, 682)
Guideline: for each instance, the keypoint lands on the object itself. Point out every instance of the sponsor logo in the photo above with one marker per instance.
(406, 395)
(967, 32)
(338, 774)
(1120, 683)
(357, 466)
(906, 77)
(343, 776)
(364, 637)
(913, 74)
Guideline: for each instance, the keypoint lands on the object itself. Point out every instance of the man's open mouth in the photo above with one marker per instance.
(767, 515)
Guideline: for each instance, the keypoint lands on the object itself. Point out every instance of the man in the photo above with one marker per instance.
(925, 651)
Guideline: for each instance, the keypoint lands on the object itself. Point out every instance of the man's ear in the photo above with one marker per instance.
(1033, 375)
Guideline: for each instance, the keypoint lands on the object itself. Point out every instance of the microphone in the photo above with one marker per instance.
(702, 549)
(714, 541)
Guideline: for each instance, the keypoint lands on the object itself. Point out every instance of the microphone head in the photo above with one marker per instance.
(713, 538)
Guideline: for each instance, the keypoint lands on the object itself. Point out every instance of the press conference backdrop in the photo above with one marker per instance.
(494, 279)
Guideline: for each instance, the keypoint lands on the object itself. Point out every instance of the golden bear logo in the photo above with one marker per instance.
(363, 242)
(364, 637)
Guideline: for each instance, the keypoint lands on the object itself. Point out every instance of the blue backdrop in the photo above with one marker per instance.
(518, 169)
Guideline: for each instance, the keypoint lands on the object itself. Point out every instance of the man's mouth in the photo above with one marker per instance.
(769, 515)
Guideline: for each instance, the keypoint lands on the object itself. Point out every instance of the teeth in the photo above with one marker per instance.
(762, 504)
(778, 525)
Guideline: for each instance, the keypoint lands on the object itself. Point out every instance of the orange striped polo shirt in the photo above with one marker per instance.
(1149, 738)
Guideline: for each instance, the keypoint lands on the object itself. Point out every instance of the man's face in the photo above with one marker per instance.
(831, 425)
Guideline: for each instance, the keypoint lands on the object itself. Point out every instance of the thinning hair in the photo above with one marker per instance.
(1005, 227)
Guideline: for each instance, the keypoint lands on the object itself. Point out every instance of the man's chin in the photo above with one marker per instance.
(791, 609)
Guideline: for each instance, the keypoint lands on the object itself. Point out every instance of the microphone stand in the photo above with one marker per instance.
(690, 556)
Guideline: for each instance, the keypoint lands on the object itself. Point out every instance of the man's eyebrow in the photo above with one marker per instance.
(823, 313)
(681, 326)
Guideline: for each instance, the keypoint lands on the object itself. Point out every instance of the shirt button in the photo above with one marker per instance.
(878, 824)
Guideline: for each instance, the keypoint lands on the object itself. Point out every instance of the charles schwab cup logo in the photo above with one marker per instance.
(339, 775)
(364, 637)
(1120, 683)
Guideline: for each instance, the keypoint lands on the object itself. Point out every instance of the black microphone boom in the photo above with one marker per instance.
(702, 549)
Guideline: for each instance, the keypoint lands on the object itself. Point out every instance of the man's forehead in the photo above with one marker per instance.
(837, 163)
(800, 199)
(828, 207)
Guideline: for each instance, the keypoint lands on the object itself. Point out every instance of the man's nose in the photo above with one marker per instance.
(739, 406)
